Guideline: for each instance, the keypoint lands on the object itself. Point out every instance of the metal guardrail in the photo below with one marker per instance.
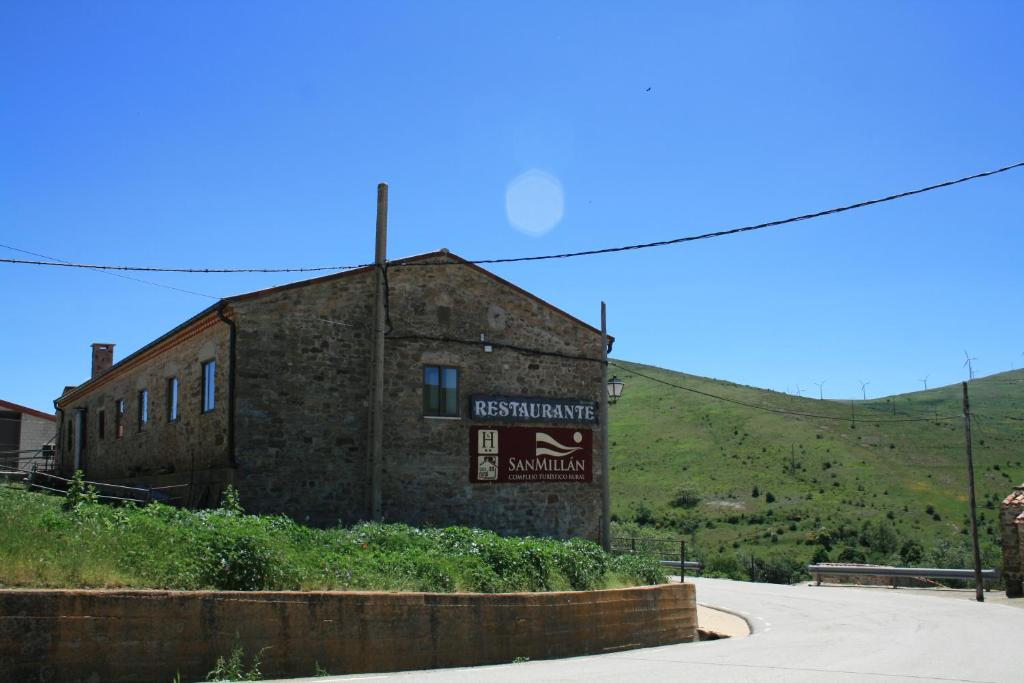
(688, 565)
(819, 570)
(660, 548)
(133, 494)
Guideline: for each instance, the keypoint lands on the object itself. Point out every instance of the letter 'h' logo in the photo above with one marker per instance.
(487, 442)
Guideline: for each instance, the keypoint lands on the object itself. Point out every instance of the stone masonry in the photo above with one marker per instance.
(1011, 525)
(190, 450)
(290, 428)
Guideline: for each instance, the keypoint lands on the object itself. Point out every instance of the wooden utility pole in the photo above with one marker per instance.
(606, 505)
(379, 321)
(979, 588)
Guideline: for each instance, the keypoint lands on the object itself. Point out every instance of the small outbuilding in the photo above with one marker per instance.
(26, 437)
(490, 418)
(1011, 525)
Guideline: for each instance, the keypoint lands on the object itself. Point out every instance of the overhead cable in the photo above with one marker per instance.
(573, 254)
(774, 410)
(56, 261)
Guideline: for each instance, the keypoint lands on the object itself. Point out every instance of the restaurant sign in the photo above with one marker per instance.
(526, 409)
(530, 454)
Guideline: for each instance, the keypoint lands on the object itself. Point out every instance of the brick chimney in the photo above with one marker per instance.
(102, 358)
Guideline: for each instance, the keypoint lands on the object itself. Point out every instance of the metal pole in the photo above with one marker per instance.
(377, 403)
(979, 587)
(606, 505)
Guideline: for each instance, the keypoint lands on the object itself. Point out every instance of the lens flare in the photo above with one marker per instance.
(534, 202)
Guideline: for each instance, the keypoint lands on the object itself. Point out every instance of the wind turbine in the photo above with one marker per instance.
(820, 384)
(925, 380)
(799, 391)
(967, 364)
(863, 392)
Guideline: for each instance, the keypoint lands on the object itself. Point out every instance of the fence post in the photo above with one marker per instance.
(632, 545)
(682, 561)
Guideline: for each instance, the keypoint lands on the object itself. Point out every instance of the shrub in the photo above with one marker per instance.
(158, 546)
(641, 569)
(911, 552)
(727, 566)
(774, 569)
(644, 515)
(685, 499)
(582, 562)
(851, 555)
(231, 501)
(79, 492)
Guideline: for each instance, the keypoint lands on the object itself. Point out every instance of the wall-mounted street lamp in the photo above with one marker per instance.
(615, 389)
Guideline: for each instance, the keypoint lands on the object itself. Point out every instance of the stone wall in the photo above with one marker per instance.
(426, 463)
(192, 449)
(1012, 536)
(301, 407)
(303, 357)
(301, 402)
(64, 635)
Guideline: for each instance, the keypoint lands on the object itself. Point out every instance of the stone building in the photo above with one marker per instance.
(1011, 525)
(490, 404)
(26, 436)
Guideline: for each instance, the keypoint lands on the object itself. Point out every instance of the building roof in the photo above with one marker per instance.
(1015, 498)
(210, 315)
(7, 405)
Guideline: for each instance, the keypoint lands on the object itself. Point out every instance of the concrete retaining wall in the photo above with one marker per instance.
(77, 635)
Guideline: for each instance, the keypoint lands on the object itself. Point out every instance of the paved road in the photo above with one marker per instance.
(803, 633)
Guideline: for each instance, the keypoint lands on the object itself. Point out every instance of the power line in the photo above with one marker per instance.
(496, 345)
(57, 261)
(158, 269)
(773, 410)
(761, 226)
(590, 252)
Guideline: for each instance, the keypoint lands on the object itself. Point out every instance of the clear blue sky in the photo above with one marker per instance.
(254, 133)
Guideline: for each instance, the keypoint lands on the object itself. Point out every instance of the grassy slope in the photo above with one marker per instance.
(94, 545)
(664, 440)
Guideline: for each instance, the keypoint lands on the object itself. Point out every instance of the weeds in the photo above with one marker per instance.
(233, 667)
(157, 546)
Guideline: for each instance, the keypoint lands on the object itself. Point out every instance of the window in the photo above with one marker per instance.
(119, 418)
(209, 385)
(101, 427)
(440, 391)
(172, 399)
(143, 408)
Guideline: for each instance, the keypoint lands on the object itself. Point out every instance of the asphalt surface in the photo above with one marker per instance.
(803, 633)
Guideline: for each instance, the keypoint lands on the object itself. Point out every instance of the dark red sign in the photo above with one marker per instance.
(530, 454)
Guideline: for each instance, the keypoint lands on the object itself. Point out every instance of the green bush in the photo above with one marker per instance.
(79, 493)
(774, 569)
(641, 569)
(685, 498)
(583, 563)
(725, 566)
(158, 546)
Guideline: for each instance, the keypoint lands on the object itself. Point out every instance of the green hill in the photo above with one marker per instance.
(738, 481)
